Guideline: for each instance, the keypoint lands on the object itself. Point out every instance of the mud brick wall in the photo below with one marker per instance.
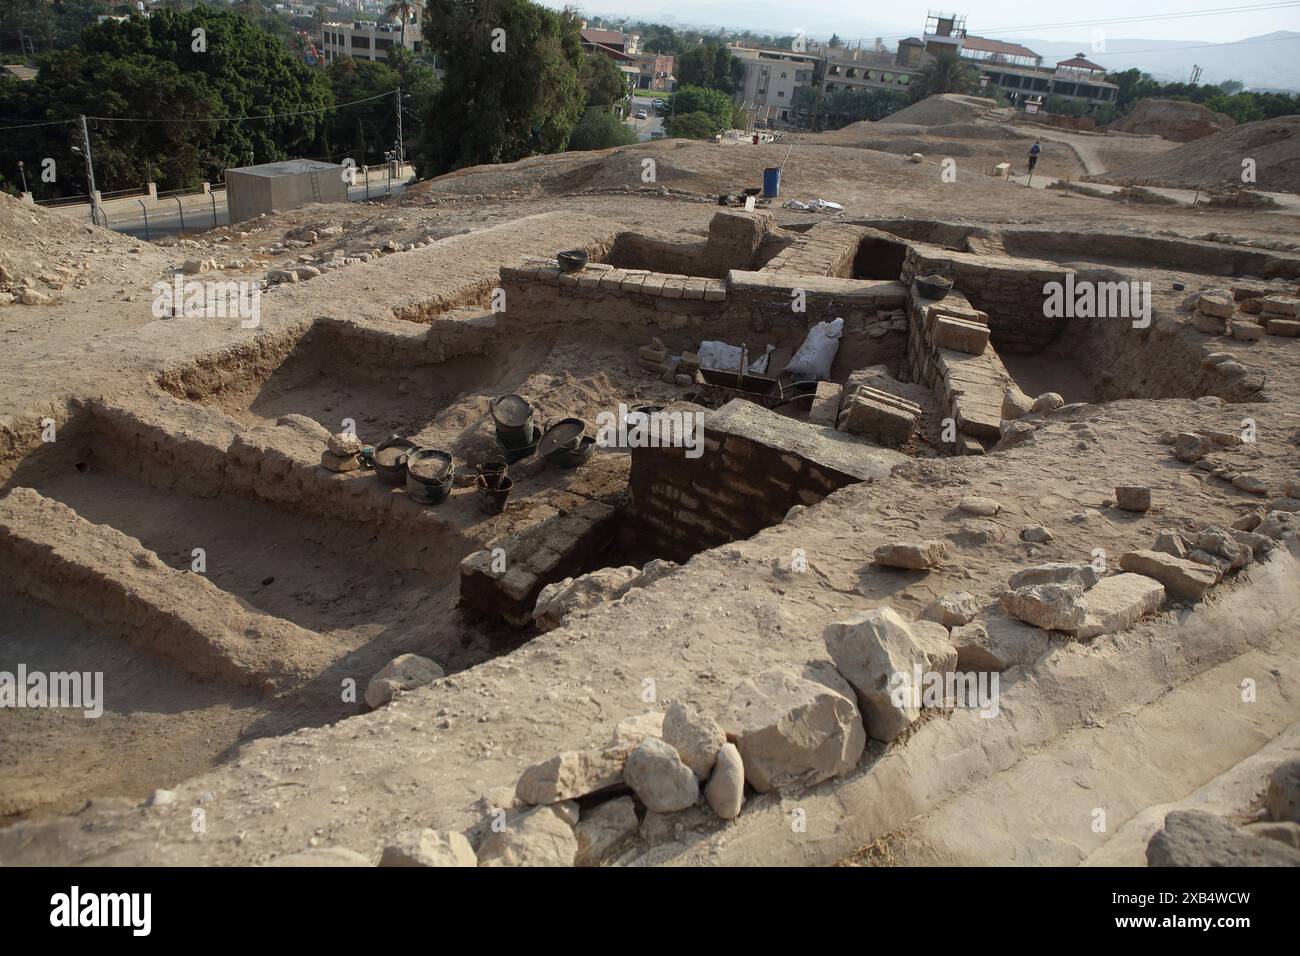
(763, 300)
(969, 388)
(1011, 294)
(827, 249)
(733, 242)
(756, 465)
(552, 550)
(678, 308)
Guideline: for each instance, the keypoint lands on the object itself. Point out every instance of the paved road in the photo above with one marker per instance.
(198, 211)
(654, 123)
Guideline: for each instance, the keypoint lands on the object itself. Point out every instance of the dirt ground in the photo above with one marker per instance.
(281, 774)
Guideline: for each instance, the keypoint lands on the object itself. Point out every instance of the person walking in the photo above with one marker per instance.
(1033, 155)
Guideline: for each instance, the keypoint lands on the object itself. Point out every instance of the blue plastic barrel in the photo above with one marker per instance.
(772, 182)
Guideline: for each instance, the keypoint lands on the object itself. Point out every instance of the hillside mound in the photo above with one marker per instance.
(1216, 160)
(42, 244)
(945, 109)
(1173, 120)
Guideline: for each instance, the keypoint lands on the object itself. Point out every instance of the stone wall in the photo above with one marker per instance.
(1010, 292)
(733, 242)
(827, 249)
(755, 466)
(969, 388)
(506, 585)
(677, 308)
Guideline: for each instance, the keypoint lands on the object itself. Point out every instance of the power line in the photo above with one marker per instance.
(29, 125)
(238, 119)
(199, 119)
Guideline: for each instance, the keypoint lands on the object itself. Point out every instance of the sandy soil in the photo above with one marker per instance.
(303, 774)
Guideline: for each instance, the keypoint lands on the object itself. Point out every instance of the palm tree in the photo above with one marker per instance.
(945, 74)
(400, 10)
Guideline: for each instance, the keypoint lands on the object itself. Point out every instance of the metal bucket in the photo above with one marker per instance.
(429, 474)
(492, 498)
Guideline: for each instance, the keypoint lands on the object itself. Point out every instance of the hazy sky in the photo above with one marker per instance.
(1151, 19)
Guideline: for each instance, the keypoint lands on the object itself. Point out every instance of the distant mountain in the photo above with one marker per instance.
(1271, 61)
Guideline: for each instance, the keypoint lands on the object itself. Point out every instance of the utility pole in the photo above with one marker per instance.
(401, 147)
(90, 170)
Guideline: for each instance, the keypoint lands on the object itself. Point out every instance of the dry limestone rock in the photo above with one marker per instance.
(912, 556)
(344, 445)
(604, 829)
(535, 837)
(400, 675)
(1083, 574)
(1118, 602)
(952, 610)
(655, 772)
(1183, 579)
(1015, 404)
(1197, 838)
(695, 737)
(1288, 833)
(1283, 796)
(1133, 497)
(577, 594)
(976, 505)
(877, 651)
(429, 848)
(1217, 302)
(725, 790)
(794, 728)
(1170, 542)
(1047, 402)
(1190, 447)
(1053, 607)
(997, 643)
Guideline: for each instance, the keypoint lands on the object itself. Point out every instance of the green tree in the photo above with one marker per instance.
(601, 129)
(710, 65)
(366, 130)
(507, 94)
(698, 125)
(946, 73)
(603, 84)
(185, 106)
(400, 10)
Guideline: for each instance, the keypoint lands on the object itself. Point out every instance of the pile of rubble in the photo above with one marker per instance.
(1243, 313)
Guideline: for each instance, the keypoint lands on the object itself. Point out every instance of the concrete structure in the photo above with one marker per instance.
(275, 187)
(772, 78)
(1017, 70)
(368, 39)
(655, 72)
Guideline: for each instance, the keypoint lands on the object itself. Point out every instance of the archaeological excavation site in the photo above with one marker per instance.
(544, 517)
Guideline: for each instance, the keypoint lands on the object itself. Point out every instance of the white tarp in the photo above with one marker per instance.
(727, 358)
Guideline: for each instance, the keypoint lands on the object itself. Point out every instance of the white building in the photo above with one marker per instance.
(370, 39)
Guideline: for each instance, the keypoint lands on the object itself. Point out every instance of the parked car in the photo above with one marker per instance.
(642, 114)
